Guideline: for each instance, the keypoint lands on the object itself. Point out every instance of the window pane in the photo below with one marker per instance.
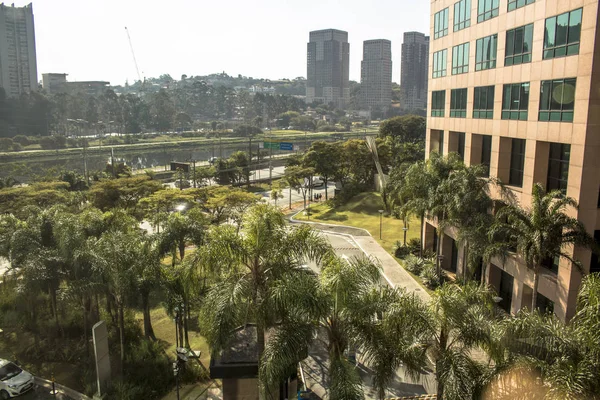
(490, 98)
(479, 51)
(528, 38)
(519, 41)
(574, 26)
(515, 90)
(562, 23)
(549, 34)
(568, 95)
(506, 97)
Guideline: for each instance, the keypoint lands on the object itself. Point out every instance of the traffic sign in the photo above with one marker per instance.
(286, 146)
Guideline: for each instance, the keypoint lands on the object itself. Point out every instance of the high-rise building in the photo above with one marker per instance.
(18, 64)
(328, 67)
(414, 73)
(376, 75)
(514, 87)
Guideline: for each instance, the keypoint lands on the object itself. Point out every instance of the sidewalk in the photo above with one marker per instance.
(394, 274)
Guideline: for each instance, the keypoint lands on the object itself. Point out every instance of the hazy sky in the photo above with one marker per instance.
(263, 39)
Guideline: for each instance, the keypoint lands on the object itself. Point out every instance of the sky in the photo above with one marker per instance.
(262, 39)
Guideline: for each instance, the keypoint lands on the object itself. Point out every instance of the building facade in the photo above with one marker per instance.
(54, 83)
(328, 68)
(57, 83)
(18, 62)
(376, 75)
(414, 71)
(515, 85)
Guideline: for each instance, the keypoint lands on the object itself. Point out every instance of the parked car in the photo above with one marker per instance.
(212, 160)
(14, 381)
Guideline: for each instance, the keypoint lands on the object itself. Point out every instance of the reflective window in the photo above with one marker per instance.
(462, 15)
(561, 35)
(515, 101)
(483, 102)
(460, 59)
(487, 9)
(440, 24)
(438, 103)
(439, 63)
(519, 42)
(557, 100)
(514, 4)
(485, 53)
(458, 103)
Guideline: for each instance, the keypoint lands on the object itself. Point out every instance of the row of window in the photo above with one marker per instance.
(486, 9)
(561, 38)
(557, 101)
(559, 155)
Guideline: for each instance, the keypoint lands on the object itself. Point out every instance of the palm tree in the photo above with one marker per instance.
(350, 300)
(179, 230)
(566, 356)
(467, 201)
(541, 232)
(260, 275)
(116, 257)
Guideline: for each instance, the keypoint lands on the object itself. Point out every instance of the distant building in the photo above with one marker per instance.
(414, 71)
(54, 83)
(328, 68)
(57, 83)
(376, 75)
(18, 63)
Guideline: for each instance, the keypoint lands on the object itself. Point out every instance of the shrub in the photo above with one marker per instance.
(414, 264)
(71, 142)
(429, 276)
(401, 251)
(22, 140)
(17, 147)
(349, 190)
(414, 245)
(6, 144)
(113, 141)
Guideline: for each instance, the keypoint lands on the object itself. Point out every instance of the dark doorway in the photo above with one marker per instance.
(505, 291)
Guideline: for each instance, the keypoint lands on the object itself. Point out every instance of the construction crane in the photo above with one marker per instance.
(134, 59)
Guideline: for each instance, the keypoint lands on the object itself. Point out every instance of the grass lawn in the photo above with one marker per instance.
(362, 211)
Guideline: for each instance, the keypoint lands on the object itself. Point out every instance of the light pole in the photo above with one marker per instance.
(380, 222)
(176, 373)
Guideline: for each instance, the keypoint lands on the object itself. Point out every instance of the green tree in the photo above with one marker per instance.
(323, 157)
(260, 275)
(284, 119)
(351, 298)
(123, 192)
(116, 259)
(407, 128)
(541, 232)
(162, 111)
(298, 178)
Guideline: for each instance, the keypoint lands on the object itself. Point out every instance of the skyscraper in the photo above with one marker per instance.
(376, 75)
(18, 63)
(514, 88)
(413, 76)
(328, 70)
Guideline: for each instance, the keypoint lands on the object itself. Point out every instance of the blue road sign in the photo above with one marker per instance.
(286, 146)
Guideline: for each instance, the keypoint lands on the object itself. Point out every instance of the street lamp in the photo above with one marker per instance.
(405, 229)
(380, 222)
(176, 373)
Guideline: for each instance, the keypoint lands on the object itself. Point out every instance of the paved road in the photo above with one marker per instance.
(40, 393)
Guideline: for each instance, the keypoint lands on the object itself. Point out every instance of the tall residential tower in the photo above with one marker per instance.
(413, 74)
(18, 64)
(328, 59)
(376, 75)
(515, 87)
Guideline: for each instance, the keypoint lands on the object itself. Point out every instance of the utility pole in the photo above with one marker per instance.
(193, 161)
